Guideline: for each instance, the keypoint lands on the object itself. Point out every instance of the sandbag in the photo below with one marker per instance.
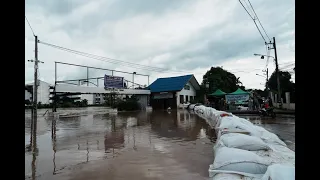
(279, 172)
(232, 160)
(231, 176)
(267, 136)
(242, 141)
(237, 123)
(225, 176)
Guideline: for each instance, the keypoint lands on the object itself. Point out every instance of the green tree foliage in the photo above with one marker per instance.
(286, 84)
(219, 78)
(111, 99)
(130, 104)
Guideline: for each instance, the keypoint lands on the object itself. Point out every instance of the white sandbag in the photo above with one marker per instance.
(225, 176)
(231, 160)
(242, 141)
(267, 136)
(278, 155)
(230, 176)
(279, 172)
(191, 107)
(237, 123)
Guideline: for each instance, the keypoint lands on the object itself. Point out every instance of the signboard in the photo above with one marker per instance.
(113, 82)
(237, 98)
(163, 96)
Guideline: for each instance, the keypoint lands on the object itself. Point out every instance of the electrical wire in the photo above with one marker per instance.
(249, 8)
(111, 60)
(287, 66)
(254, 22)
(30, 25)
(259, 20)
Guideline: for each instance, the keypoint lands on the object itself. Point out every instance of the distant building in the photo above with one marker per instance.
(43, 92)
(173, 91)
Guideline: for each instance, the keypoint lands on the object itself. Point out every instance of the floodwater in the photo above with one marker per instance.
(131, 145)
(283, 126)
(89, 143)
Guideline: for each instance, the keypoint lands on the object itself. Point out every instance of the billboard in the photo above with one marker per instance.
(237, 98)
(113, 82)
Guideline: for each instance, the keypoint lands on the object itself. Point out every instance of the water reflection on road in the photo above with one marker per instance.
(135, 145)
(93, 144)
(283, 126)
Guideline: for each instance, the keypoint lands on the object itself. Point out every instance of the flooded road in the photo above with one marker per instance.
(135, 145)
(92, 144)
(283, 126)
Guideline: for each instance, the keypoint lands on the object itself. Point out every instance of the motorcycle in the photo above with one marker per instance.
(267, 112)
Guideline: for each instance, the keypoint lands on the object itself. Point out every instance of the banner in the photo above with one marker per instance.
(237, 98)
(113, 82)
(163, 96)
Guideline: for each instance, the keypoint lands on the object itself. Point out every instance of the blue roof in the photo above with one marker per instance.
(170, 83)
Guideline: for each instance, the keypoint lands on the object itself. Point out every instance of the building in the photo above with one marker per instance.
(173, 91)
(43, 92)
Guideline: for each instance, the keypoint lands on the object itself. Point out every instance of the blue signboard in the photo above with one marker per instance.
(113, 82)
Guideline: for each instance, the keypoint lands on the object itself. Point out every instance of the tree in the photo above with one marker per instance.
(219, 78)
(84, 103)
(285, 83)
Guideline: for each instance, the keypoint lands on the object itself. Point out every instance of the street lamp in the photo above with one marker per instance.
(261, 75)
(262, 56)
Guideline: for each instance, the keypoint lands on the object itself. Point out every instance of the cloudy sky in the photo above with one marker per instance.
(181, 36)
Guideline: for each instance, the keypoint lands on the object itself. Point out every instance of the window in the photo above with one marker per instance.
(187, 87)
(191, 98)
(187, 98)
(181, 99)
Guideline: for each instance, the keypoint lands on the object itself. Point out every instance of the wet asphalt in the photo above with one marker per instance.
(90, 143)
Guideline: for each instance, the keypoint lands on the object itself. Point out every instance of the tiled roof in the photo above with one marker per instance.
(169, 83)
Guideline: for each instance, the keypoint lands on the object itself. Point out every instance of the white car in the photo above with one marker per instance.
(242, 108)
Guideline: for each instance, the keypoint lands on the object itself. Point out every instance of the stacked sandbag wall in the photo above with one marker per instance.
(244, 150)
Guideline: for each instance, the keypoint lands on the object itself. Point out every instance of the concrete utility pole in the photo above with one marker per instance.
(266, 71)
(277, 70)
(133, 79)
(36, 83)
(35, 88)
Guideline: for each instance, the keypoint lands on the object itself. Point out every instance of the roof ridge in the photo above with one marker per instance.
(175, 76)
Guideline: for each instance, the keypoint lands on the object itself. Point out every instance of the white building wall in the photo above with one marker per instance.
(27, 95)
(184, 92)
(88, 97)
(43, 92)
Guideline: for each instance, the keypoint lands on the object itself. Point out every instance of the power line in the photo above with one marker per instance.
(30, 25)
(286, 63)
(248, 7)
(110, 60)
(288, 66)
(259, 20)
(254, 22)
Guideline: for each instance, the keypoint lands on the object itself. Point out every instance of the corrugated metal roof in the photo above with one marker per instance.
(169, 83)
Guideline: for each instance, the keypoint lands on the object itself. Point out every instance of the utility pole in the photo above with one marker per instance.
(35, 88)
(267, 74)
(277, 70)
(35, 84)
(133, 79)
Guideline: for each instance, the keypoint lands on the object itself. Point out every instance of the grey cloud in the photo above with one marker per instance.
(55, 7)
(235, 38)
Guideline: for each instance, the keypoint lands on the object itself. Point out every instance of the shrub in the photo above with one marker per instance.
(128, 105)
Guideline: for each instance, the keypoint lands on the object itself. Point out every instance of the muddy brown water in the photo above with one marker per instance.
(91, 144)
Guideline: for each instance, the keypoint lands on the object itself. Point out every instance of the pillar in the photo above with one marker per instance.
(288, 97)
